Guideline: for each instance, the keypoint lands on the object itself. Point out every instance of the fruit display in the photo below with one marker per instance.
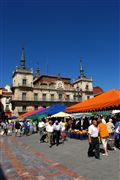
(77, 134)
(75, 131)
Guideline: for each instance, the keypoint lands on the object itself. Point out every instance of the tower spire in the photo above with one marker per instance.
(81, 70)
(37, 72)
(23, 59)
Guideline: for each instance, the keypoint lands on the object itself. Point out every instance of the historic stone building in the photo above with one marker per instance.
(5, 101)
(32, 91)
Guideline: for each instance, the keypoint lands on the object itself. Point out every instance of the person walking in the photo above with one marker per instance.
(46, 124)
(17, 128)
(110, 127)
(28, 128)
(41, 126)
(117, 135)
(57, 131)
(49, 129)
(5, 128)
(104, 134)
(93, 140)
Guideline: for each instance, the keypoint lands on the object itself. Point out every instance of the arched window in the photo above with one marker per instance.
(87, 87)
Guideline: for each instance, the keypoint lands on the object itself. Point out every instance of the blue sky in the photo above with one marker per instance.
(56, 33)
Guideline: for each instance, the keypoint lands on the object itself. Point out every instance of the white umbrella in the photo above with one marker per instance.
(115, 111)
(62, 114)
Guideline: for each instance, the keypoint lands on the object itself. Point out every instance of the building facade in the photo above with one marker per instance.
(32, 91)
(5, 100)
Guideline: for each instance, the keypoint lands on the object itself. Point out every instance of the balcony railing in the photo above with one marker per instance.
(51, 87)
(88, 90)
(22, 85)
(48, 100)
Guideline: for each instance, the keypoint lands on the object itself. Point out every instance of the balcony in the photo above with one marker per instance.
(22, 85)
(88, 91)
(58, 100)
(46, 100)
(46, 87)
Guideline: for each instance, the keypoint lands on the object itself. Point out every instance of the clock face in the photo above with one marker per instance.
(59, 85)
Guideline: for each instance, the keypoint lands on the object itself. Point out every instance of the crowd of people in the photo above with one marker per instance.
(22, 127)
(103, 132)
(51, 131)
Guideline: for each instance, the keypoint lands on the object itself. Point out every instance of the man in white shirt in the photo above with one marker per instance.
(57, 131)
(41, 126)
(93, 140)
(50, 129)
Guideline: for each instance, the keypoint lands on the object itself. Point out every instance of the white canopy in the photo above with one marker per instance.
(115, 111)
(62, 114)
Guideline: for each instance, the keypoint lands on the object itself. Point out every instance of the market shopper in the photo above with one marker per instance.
(104, 134)
(46, 124)
(93, 140)
(41, 126)
(117, 134)
(5, 128)
(110, 127)
(50, 129)
(17, 128)
(57, 131)
(27, 128)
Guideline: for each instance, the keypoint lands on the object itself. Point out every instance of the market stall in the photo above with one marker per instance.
(77, 134)
(62, 114)
(105, 101)
(27, 114)
(53, 109)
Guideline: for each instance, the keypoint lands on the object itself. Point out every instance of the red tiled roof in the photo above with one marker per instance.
(49, 79)
(97, 90)
(7, 93)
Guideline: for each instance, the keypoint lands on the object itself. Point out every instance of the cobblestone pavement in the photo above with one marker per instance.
(20, 161)
(23, 158)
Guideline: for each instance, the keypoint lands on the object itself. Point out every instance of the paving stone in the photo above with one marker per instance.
(72, 155)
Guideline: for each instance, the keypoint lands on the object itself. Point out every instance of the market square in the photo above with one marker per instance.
(59, 90)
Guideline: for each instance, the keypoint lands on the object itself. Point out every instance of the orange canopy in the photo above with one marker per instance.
(107, 100)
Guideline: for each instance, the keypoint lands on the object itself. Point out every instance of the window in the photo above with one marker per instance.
(44, 97)
(87, 87)
(36, 97)
(24, 96)
(52, 97)
(74, 97)
(24, 108)
(79, 98)
(36, 107)
(88, 97)
(67, 97)
(60, 96)
(24, 82)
